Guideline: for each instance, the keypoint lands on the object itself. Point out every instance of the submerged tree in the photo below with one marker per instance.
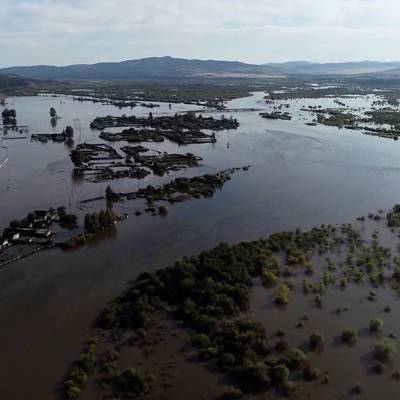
(53, 112)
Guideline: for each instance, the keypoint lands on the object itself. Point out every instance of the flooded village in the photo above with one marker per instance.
(89, 190)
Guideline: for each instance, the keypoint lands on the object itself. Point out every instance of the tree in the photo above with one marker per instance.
(53, 112)
(69, 131)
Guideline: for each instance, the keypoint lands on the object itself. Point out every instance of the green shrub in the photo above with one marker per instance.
(349, 336)
(375, 325)
(384, 350)
(280, 373)
(207, 353)
(268, 278)
(316, 339)
(73, 393)
(296, 358)
(282, 295)
(201, 341)
(130, 381)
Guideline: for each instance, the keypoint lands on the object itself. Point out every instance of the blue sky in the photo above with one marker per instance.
(62, 32)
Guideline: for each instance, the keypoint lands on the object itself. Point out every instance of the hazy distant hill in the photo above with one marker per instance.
(146, 68)
(348, 68)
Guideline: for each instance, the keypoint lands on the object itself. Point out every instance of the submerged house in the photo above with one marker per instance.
(3, 242)
(9, 236)
(27, 232)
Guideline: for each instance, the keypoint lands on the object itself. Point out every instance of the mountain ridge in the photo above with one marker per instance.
(169, 67)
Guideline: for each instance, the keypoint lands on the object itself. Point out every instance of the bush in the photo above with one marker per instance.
(316, 339)
(73, 393)
(289, 387)
(296, 358)
(208, 353)
(349, 336)
(201, 341)
(384, 350)
(252, 375)
(375, 325)
(87, 362)
(268, 278)
(280, 373)
(282, 296)
(130, 381)
(311, 374)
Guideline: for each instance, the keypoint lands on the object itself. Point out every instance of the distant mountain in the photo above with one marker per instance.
(347, 68)
(146, 68)
(162, 68)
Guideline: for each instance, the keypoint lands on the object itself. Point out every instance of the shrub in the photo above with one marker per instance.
(201, 341)
(253, 375)
(296, 358)
(349, 336)
(73, 393)
(268, 278)
(311, 373)
(384, 350)
(130, 381)
(316, 339)
(86, 362)
(289, 387)
(208, 353)
(282, 296)
(375, 325)
(280, 373)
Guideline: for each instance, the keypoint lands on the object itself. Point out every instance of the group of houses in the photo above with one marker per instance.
(35, 226)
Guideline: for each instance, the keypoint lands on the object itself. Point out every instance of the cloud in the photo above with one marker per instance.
(263, 30)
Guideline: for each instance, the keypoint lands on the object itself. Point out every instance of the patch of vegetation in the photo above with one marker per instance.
(101, 220)
(82, 368)
(349, 336)
(384, 350)
(375, 325)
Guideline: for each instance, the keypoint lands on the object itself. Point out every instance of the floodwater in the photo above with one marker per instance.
(300, 176)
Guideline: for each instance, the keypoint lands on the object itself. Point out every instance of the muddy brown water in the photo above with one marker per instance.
(300, 177)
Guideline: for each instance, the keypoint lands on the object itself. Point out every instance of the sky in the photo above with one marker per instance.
(63, 32)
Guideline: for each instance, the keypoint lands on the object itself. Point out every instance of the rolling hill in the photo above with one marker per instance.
(146, 68)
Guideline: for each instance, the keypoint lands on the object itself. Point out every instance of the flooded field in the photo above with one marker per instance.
(300, 177)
